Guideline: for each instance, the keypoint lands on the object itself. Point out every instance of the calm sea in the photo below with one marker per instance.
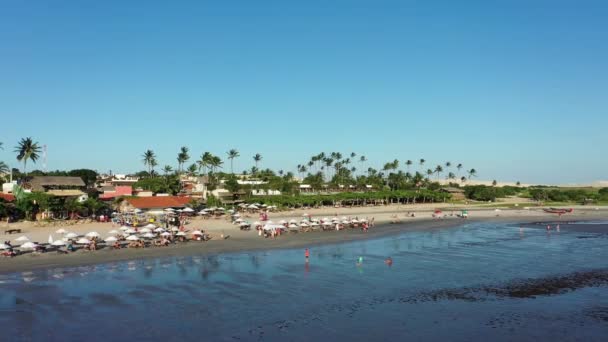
(477, 282)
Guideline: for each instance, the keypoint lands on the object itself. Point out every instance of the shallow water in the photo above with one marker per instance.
(451, 284)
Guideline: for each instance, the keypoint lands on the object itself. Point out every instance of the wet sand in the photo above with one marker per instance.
(240, 241)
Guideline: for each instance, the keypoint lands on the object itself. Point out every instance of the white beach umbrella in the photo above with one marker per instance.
(236, 215)
(61, 231)
(282, 222)
(123, 228)
(354, 221)
(4, 246)
(159, 230)
(304, 224)
(221, 208)
(145, 230)
(58, 243)
(149, 236)
(315, 223)
(253, 206)
(243, 224)
(111, 239)
(165, 234)
(363, 220)
(305, 215)
(344, 218)
(132, 238)
(71, 235)
(188, 210)
(113, 231)
(175, 229)
(257, 223)
(29, 245)
(180, 234)
(293, 221)
(50, 240)
(197, 232)
(130, 231)
(269, 222)
(239, 220)
(22, 239)
(293, 225)
(150, 226)
(92, 234)
(83, 241)
(325, 219)
(231, 211)
(345, 222)
(169, 209)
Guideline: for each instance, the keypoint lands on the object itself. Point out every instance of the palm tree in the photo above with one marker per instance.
(216, 162)
(231, 155)
(451, 175)
(192, 169)
(1, 147)
(167, 169)
(472, 173)
(408, 164)
(494, 182)
(448, 165)
(421, 161)
(438, 170)
(3, 167)
(257, 158)
(153, 164)
(518, 183)
(459, 166)
(463, 179)
(182, 157)
(429, 172)
(147, 158)
(206, 160)
(362, 159)
(27, 149)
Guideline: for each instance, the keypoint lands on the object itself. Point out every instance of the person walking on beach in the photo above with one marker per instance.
(307, 254)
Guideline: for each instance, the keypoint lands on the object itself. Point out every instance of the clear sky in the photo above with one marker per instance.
(516, 89)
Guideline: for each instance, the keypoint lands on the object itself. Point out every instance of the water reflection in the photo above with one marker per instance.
(351, 294)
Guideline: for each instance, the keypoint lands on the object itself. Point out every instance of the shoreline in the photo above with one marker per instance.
(243, 242)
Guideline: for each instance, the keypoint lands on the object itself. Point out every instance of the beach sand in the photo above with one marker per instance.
(249, 240)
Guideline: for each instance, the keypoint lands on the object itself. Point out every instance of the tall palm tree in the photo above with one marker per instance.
(167, 169)
(429, 172)
(421, 161)
(182, 158)
(459, 166)
(153, 164)
(472, 173)
(202, 163)
(27, 149)
(438, 170)
(1, 147)
(451, 175)
(463, 179)
(147, 158)
(3, 167)
(216, 162)
(231, 155)
(408, 164)
(257, 158)
(362, 160)
(448, 165)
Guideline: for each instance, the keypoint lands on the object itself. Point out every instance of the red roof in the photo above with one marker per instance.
(159, 202)
(124, 190)
(7, 197)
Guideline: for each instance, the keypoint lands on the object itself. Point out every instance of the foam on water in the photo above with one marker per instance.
(443, 284)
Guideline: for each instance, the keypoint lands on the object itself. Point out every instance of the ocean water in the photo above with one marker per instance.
(476, 282)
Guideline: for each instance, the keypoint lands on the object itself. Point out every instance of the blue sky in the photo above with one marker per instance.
(516, 89)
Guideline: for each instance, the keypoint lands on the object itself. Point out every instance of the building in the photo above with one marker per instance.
(110, 192)
(154, 203)
(60, 186)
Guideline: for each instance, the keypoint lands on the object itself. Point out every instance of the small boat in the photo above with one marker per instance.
(557, 210)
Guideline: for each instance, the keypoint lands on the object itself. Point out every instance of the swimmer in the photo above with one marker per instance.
(360, 261)
(389, 261)
(307, 254)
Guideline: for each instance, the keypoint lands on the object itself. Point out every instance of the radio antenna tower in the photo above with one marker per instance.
(44, 158)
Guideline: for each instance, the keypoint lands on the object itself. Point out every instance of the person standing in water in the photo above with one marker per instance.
(307, 254)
